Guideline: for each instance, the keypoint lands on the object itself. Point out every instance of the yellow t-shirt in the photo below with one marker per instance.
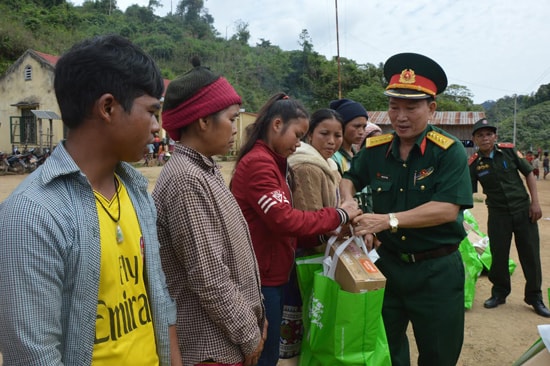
(124, 324)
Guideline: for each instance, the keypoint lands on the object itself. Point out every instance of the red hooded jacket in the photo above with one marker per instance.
(261, 189)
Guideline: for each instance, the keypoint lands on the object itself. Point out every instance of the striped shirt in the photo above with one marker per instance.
(50, 265)
(209, 261)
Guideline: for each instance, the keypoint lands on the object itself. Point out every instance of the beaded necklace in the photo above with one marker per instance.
(118, 232)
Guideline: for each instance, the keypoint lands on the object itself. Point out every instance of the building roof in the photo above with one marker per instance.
(50, 58)
(440, 118)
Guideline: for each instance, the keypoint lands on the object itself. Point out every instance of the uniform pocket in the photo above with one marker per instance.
(421, 191)
(382, 196)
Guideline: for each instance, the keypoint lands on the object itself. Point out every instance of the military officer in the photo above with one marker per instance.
(420, 182)
(511, 211)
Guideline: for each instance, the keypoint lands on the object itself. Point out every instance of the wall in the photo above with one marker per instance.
(15, 89)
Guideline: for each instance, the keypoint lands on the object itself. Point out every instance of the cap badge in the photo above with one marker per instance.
(407, 77)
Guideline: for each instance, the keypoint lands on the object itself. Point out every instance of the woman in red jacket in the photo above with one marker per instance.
(261, 185)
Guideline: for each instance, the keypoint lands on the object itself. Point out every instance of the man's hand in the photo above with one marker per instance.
(175, 354)
(351, 208)
(252, 359)
(535, 212)
(370, 223)
(371, 241)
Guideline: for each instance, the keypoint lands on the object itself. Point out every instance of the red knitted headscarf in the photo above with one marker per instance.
(197, 94)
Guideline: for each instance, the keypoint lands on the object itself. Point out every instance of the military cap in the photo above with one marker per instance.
(413, 76)
(483, 123)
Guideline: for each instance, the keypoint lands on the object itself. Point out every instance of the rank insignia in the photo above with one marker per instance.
(407, 76)
(378, 140)
(440, 140)
(483, 166)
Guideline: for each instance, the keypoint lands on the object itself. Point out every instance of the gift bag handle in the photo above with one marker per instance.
(330, 263)
(358, 240)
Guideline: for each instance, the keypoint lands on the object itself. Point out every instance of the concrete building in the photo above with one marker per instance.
(27, 86)
(27, 100)
(245, 119)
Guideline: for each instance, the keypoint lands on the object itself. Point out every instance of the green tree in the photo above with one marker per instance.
(154, 4)
(103, 6)
(457, 98)
(264, 43)
(242, 34)
(370, 96)
(195, 18)
(141, 14)
(532, 128)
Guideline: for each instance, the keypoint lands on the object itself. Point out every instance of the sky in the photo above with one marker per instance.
(495, 48)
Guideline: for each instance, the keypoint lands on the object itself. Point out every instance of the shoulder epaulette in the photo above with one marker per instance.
(440, 140)
(505, 145)
(378, 140)
(472, 158)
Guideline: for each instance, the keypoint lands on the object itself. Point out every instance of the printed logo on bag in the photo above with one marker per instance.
(368, 266)
(316, 312)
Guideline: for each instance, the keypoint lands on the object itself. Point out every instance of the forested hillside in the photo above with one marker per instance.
(257, 71)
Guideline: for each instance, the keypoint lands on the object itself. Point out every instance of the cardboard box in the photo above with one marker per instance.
(355, 272)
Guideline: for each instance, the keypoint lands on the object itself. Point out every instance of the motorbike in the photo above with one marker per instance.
(4, 165)
(42, 156)
(19, 163)
(16, 163)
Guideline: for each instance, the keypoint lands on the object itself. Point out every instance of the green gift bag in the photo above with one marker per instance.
(485, 258)
(340, 327)
(472, 269)
(305, 271)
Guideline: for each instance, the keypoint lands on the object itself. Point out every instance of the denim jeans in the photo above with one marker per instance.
(273, 302)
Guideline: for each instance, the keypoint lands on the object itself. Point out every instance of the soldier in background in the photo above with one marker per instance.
(511, 211)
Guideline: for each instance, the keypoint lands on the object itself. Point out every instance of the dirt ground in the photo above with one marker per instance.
(493, 337)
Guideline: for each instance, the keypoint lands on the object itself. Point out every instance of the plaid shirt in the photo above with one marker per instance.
(209, 261)
(50, 264)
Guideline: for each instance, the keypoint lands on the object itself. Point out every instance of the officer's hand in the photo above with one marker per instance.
(370, 223)
(535, 212)
(371, 241)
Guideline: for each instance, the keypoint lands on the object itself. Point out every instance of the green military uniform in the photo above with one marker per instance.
(429, 293)
(508, 205)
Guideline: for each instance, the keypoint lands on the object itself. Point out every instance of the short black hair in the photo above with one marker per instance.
(99, 65)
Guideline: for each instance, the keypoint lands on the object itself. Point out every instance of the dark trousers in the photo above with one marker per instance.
(429, 295)
(501, 226)
(273, 302)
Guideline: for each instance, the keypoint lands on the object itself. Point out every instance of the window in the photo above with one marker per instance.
(28, 72)
(24, 128)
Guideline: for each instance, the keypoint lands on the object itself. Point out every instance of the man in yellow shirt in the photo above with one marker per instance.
(81, 276)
